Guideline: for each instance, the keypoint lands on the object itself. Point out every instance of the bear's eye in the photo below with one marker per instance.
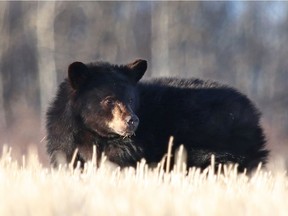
(109, 102)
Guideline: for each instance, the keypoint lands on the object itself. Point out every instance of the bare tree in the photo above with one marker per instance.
(45, 53)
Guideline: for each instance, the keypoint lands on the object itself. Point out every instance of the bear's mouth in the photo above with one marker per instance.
(125, 134)
(130, 134)
(123, 125)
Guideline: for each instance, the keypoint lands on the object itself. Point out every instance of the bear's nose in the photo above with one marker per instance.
(132, 121)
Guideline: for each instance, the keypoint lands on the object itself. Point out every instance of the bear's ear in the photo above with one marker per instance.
(77, 74)
(136, 69)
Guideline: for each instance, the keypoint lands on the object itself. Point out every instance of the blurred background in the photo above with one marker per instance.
(243, 44)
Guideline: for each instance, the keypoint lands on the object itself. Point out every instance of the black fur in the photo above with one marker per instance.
(76, 118)
(206, 117)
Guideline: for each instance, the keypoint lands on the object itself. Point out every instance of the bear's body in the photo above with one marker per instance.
(206, 117)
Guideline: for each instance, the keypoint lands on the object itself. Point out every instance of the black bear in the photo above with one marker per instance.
(105, 105)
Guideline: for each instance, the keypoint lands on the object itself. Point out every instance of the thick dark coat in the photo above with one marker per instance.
(206, 117)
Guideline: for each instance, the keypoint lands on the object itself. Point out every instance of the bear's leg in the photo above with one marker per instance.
(202, 158)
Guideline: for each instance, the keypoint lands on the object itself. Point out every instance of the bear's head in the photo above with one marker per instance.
(104, 96)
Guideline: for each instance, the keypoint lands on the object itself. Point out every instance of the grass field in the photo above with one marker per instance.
(28, 188)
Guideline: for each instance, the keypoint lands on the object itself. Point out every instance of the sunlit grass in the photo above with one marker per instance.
(28, 188)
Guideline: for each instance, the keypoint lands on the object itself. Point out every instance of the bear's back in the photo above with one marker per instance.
(202, 115)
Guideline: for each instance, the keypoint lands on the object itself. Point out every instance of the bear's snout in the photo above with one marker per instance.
(123, 122)
(132, 122)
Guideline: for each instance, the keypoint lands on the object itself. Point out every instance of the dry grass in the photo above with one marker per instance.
(28, 188)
